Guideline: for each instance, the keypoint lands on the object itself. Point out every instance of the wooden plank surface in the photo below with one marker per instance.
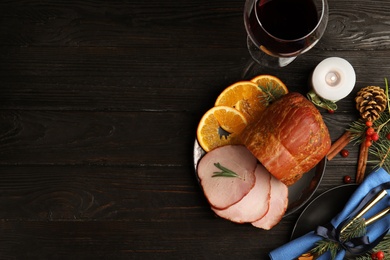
(99, 103)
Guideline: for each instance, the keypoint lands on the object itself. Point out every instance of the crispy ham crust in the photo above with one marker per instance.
(289, 138)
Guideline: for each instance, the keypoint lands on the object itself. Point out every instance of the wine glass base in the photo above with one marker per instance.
(264, 59)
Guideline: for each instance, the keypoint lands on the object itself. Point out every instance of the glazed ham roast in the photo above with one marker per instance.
(289, 138)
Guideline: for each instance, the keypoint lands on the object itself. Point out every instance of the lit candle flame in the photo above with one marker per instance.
(332, 78)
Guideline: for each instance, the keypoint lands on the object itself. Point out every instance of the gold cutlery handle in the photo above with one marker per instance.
(366, 208)
(377, 216)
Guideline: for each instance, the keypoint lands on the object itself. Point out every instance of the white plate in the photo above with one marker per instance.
(298, 194)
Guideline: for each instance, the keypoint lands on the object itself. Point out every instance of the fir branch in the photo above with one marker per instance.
(382, 123)
(325, 245)
(225, 172)
(271, 93)
(387, 94)
(384, 246)
(357, 129)
(356, 229)
(380, 150)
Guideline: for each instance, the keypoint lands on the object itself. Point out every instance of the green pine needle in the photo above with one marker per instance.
(271, 93)
(356, 229)
(383, 246)
(379, 151)
(326, 245)
(357, 129)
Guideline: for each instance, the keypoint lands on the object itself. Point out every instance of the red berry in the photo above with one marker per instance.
(368, 143)
(347, 179)
(388, 136)
(380, 255)
(370, 131)
(375, 137)
(368, 123)
(330, 111)
(373, 256)
(344, 153)
(368, 137)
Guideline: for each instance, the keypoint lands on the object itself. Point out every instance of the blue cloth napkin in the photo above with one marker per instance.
(303, 244)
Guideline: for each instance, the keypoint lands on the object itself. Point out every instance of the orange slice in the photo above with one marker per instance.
(245, 96)
(220, 126)
(272, 86)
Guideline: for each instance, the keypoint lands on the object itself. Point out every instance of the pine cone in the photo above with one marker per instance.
(371, 101)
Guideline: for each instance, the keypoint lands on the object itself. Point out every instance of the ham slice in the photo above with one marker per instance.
(277, 207)
(222, 192)
(255, 204)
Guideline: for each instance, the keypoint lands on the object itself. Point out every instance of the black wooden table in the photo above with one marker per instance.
(99, 104)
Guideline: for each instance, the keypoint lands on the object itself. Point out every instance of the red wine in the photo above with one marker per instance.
(285, 24)
(287, 19)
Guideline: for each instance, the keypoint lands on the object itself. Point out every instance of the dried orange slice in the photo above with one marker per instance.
(272, 86)
(245, 96)
(220, 126)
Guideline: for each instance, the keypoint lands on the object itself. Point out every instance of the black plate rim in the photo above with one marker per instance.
(315, 200)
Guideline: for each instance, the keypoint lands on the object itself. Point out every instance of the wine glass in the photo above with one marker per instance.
(280, 30)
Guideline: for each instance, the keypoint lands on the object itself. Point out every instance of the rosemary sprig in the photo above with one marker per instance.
(225, 172)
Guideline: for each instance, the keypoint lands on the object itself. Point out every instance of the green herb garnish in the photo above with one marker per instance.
(225, 172)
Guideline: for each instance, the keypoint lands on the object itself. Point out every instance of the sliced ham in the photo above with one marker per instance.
(222, 192)
(255, 204)
(277, 207)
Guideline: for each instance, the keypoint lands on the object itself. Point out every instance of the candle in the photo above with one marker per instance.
(333, 79)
